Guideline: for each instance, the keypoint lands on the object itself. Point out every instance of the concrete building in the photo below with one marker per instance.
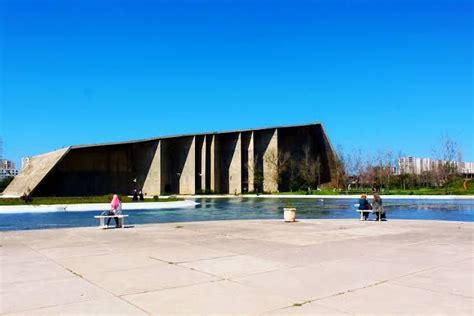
(7, 169)
(221, 162)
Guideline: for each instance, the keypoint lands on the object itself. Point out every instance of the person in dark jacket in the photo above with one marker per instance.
(364, 205)
(135, 195)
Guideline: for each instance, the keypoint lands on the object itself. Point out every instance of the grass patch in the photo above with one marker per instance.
(79, 200)
(453, 190)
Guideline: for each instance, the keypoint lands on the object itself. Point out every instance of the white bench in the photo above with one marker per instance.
(120, 219)
(371, 212)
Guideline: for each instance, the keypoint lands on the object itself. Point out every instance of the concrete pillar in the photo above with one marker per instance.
(212, 158)
(203, 164)
(251, 163)
(235, 168)
(152, 184)
(187, 179)
(269, 184)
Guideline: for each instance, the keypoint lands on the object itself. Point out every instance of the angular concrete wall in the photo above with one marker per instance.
(235, 167)
(266, 144)
(178, 165)
(248, 162)
(187, 181)
(152, 183)
(36, 170)
(100, 170)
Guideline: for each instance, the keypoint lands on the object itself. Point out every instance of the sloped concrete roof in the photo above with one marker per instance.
(29, 178)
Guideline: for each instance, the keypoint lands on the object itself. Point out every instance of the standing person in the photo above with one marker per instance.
(378, 206)
(115, 209)
(364, 205)
(134, 195)
(140, 195)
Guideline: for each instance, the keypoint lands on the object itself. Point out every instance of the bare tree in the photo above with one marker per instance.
(255, 169)
(449, 153)
(384, 166)
(340, 173)
(310, 170)
(358, 165)
(293, 175)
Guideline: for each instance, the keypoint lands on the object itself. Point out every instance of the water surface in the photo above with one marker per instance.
(250, 208)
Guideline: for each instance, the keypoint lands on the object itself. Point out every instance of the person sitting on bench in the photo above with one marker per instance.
(378, 207)
(364, 205)
(115, 209)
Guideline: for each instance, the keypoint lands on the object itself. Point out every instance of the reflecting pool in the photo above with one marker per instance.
(251, 208)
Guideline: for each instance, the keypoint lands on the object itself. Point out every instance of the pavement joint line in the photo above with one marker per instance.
(337, 294)
(90, 282)
(198, 260)
(430, 290)
(43, 307)
(357, 289)
(169, 288)
(228, 278)
(188, 268)
(207, 259)
(53, 305)
(7, 284)
(296, 305)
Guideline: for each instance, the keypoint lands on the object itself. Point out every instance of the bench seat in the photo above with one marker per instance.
(368, 211)
(120, 218)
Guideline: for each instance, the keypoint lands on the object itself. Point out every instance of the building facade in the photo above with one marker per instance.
(231, 162)
(7, 169)
(415, 165)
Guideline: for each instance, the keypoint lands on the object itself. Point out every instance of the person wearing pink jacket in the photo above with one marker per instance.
(115, 209)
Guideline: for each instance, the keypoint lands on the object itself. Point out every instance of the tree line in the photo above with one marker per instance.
(356, 170)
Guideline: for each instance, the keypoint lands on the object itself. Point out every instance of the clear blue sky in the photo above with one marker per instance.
(377, 74)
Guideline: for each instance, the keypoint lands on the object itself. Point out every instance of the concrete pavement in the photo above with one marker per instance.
(335, 267)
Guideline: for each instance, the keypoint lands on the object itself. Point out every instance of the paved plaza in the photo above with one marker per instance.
(260, 267)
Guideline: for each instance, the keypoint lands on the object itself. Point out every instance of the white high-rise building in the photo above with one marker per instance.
(415, 165)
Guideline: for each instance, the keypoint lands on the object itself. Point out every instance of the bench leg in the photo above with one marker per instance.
(361, 216)
(101, 222)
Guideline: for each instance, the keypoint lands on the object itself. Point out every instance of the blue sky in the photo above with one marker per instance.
(378, 74)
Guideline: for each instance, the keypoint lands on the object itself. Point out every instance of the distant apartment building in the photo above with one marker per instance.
(466, 168)
(415, 165)
(7, 169)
